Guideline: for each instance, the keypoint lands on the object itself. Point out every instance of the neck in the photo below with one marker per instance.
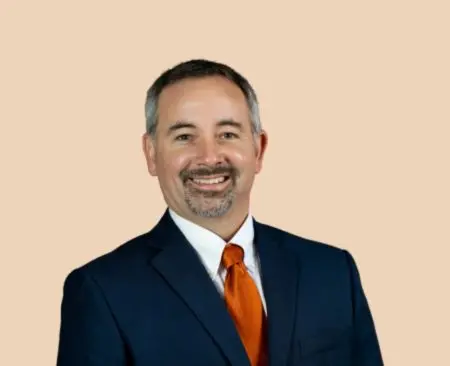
(224, 226)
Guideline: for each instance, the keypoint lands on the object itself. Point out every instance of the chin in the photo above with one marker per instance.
(211, 211)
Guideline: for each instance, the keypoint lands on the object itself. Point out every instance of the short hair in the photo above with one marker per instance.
(197, 68)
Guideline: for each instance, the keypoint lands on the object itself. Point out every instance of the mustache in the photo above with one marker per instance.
(206, 171)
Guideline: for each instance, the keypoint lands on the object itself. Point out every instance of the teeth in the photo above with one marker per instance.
(209, 181)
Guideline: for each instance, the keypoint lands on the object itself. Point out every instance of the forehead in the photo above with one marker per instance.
(211, 97)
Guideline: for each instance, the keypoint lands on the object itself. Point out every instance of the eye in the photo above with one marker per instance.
(229, 135)
(183, 137)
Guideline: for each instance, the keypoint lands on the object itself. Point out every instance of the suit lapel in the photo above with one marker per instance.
(279, 271)
(179, 264)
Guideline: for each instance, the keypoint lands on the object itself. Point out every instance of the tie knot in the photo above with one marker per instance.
(232, 254)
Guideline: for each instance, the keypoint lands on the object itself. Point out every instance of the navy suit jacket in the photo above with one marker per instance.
(150, 302)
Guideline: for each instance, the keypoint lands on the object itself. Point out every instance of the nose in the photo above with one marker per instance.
(209, 152)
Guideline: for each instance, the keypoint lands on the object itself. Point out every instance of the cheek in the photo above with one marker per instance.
(171, 164)
(244, 160)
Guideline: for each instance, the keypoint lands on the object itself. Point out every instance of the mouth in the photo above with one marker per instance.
(211, 183)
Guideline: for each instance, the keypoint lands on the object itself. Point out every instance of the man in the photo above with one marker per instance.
(209, 285)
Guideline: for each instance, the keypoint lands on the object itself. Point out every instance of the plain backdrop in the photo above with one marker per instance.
(355, 97)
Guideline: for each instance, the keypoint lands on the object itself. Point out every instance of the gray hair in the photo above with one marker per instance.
(197, 68)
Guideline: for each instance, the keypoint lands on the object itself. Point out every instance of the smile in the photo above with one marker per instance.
(210, 180)
(212, 183)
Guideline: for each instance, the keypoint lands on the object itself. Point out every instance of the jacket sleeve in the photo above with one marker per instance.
(88, 335)
(366, 348)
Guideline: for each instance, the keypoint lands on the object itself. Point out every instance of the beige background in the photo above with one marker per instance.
(355, 97)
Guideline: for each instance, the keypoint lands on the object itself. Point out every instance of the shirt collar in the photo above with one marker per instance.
(209, 246)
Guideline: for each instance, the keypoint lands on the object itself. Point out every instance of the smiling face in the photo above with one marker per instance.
(204, 153)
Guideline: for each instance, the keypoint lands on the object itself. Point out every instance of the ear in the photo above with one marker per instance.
(261, 146)
(149, 148)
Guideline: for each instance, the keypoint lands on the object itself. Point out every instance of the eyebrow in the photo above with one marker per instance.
(230, 122)
(178, 125)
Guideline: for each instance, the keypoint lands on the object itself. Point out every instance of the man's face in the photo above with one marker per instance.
(204, 152)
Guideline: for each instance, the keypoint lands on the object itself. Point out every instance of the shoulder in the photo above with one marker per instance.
(114, 265)
(323, 265)
(311, 253)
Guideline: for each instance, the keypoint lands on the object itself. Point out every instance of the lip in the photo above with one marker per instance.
(210, 187)
(212, 176)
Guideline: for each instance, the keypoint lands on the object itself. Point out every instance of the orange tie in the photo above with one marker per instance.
(243, 301)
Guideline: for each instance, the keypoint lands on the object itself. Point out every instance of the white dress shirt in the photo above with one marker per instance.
(209, 246)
